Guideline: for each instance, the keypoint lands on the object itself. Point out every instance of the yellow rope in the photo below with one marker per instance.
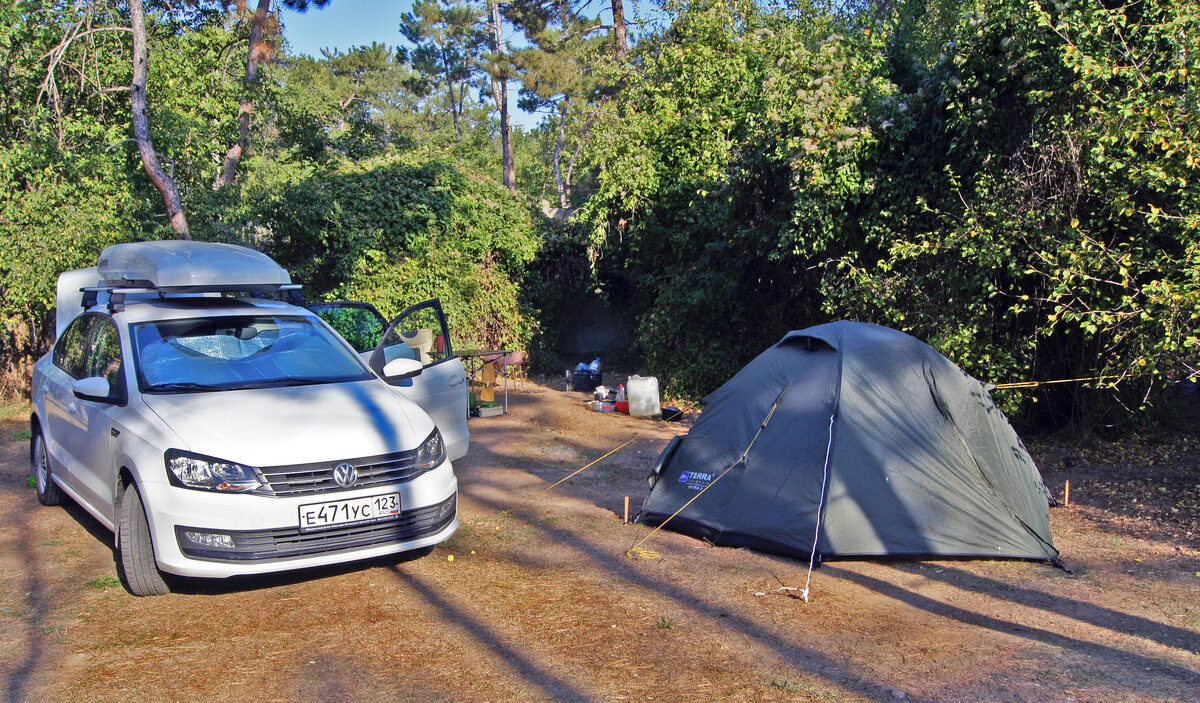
(606, 455)
(1035, 384)
(510, 510)
(637, 551)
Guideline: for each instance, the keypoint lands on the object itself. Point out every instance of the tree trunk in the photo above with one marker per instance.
(563, 201)
(234, 156)
(141, 123)
(587, 130)
(500, 93)
(619, 32)
(455, 100)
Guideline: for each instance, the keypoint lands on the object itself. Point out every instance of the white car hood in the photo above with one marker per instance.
(294, 425)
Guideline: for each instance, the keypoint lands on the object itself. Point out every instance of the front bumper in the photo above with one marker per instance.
(265, 533)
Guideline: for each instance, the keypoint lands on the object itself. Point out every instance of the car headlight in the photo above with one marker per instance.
(208, 474)
(432, 452)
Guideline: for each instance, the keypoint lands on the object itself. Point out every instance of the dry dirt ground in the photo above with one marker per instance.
(540, 603)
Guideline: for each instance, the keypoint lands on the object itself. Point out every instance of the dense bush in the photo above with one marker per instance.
(1008, 181)
(396, 230)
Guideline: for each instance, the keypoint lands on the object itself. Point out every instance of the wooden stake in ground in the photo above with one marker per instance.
(1067, 493)
(625, 521)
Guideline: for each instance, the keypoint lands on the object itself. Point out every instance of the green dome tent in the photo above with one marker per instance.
(849, 440)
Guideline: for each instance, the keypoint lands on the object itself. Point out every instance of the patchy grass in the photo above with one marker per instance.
(12, 409)
(665, 623)
(104, 582)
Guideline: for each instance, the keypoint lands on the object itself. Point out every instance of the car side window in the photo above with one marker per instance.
(358, 323)
(71, 351)
(420, 336)
(104, 357)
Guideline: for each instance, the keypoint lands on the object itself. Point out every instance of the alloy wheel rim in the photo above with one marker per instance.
(43, 471)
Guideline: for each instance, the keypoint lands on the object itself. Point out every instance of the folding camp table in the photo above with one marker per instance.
(481, 365)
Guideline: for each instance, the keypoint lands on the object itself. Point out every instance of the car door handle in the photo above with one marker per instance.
(458, 381)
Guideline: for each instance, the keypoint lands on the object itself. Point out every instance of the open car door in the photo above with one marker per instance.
(419, 333)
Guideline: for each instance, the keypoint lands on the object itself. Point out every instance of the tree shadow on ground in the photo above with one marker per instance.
(1112, 655)
(620, 567)
(1089, 613)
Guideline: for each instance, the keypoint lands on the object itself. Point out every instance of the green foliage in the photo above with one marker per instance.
(66, 189)
(1037, 223)
(732, 156)
(1007, 181)
(397, 230)
(1011, 181)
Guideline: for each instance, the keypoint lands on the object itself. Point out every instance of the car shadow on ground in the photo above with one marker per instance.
(239, 584)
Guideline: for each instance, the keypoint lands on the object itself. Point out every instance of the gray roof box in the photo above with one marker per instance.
(180, 266)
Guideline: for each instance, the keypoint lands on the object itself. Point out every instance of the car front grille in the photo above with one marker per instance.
(291, 543)
(306, 479)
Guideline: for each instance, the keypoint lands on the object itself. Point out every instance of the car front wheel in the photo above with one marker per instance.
(48, 492)
(135, 551)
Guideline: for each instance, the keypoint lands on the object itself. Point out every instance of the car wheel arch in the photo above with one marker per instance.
(125, 479)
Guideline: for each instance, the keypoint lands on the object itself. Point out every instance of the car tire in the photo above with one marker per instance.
(48, 492)
(135, 550)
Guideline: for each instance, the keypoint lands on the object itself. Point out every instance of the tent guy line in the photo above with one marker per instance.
(635, 549)
(581, 469)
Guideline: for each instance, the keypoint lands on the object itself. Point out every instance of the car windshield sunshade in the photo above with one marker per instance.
(232, 352)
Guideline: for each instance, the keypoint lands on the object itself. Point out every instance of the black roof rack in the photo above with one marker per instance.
(116, 294)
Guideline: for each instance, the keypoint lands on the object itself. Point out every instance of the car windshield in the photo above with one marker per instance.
(245, 351)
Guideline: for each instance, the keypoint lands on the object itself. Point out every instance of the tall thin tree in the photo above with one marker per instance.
(141, 123)
(499, 76)
(257, 51)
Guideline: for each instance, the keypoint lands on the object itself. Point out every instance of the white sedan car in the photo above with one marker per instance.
(221, 436)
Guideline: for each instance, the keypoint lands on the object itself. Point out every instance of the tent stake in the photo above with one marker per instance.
(1067, 493)
(625, 520)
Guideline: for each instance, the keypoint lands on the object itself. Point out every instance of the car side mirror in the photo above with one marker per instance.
(398, 369)
(96, 389)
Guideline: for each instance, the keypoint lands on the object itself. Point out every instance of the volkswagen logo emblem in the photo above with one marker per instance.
(345, 475)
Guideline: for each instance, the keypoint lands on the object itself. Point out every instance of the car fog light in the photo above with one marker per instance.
(448, 509)
(210, 539)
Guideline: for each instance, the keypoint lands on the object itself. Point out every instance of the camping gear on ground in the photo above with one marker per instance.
(623, 406)
(670, 413)
(584, 377)
(643, 396)
(850, 440)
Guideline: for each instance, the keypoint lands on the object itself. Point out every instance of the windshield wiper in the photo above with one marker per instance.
(182, 386)
(281, 382)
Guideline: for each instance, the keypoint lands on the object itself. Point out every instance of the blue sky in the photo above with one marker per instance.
(343, 24)
(347, 23)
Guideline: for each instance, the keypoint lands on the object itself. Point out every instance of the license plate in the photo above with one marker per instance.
(317, 516)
